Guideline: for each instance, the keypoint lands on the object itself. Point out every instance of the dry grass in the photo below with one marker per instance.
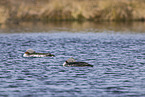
(58, 10)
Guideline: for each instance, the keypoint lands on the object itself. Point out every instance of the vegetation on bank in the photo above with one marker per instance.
(66, 10)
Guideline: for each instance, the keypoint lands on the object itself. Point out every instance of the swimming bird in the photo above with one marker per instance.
(32, 53)
(72, 63)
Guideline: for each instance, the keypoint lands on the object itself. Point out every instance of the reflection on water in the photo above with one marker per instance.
(129, 27)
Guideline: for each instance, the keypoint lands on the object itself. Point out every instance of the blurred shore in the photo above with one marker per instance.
(74, 26)
(16, 11)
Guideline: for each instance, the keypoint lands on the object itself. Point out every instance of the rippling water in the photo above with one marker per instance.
(118, 59)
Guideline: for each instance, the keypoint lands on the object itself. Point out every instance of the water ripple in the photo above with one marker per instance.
(118, 61)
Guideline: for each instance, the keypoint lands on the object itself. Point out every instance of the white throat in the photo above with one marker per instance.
(64, 63)
(25, 55)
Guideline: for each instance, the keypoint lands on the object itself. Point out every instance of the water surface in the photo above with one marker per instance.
(118, 59)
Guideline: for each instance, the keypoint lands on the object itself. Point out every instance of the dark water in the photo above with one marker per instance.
(118, 59)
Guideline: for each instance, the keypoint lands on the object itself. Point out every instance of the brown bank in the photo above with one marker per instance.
(15, 11)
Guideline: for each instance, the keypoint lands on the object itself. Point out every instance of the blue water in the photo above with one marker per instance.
(118, 59)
